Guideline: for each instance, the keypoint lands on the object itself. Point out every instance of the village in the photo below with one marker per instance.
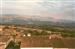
(30, 37)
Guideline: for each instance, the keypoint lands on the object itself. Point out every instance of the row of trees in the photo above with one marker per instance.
(36, 33)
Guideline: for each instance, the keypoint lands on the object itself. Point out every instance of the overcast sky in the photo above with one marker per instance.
(57, 9)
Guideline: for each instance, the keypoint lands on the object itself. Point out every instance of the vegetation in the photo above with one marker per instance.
(64, 31)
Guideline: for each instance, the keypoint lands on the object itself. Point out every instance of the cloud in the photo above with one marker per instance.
(58, 9)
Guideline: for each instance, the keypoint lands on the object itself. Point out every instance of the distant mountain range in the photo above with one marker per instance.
(15, 19)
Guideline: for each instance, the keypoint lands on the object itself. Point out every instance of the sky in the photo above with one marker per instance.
(56, 9)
